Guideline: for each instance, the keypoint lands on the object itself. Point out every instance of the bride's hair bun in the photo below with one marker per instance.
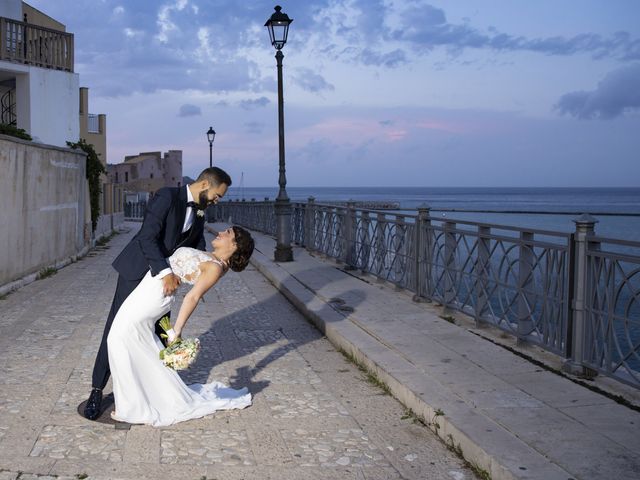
(240, 258)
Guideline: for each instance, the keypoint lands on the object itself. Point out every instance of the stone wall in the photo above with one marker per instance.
(107, 223)
(45, 219)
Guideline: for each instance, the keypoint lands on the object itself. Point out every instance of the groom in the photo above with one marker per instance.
(174, 218)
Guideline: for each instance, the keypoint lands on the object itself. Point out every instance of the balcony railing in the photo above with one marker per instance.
(32, 45)
(93, 123)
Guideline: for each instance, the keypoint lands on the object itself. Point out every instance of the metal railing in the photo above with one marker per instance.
(30, 44)
(565, 292)
(611, 307)
(134, 210)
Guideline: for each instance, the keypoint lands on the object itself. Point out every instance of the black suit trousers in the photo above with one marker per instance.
(101, 370)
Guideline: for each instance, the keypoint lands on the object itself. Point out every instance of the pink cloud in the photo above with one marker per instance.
(442, 126)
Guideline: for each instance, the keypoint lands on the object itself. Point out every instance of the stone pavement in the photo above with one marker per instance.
(315, 415)
(509, 416)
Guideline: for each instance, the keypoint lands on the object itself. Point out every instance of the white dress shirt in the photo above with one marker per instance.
(188, 216)
(188, 221)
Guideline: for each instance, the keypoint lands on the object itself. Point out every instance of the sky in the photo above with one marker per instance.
(376, 92)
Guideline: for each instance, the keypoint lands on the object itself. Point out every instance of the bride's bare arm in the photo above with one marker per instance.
(210, 274)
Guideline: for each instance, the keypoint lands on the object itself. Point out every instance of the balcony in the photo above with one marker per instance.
(29, 44)
(93, 123)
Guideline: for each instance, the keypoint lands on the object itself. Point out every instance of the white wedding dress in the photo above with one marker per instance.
(146, 391)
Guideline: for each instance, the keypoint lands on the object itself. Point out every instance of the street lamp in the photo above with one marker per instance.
(211, 135)
(278, 26)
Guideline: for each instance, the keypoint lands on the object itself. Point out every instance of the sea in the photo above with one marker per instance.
(617, 210)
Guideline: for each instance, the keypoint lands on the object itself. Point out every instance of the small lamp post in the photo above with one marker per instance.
(211, 135)
(278, 26)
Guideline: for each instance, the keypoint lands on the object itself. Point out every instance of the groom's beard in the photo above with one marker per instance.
(203, 201)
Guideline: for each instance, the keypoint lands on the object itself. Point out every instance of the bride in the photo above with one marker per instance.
(145, 390)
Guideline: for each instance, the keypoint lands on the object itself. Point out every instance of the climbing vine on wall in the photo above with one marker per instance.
(14, 131)
(94, 169)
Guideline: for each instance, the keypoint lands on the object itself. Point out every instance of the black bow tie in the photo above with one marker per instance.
(194, 205)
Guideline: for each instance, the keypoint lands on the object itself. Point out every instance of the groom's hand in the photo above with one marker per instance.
(170, 283)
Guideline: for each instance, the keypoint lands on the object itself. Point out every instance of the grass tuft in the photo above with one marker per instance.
(370, 376)
(46, 272)
(104, 240)
(449, 318)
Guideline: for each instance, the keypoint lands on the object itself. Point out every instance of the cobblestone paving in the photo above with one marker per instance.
(314, 415)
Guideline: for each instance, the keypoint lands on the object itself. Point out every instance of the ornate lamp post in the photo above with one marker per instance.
(278, 26)
(211, 135)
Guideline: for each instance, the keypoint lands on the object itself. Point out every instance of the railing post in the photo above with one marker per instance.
(482, 273)
(449, 265)
(419, 253)
(264, 221)
(349, 235)
(399, 250)
(300, 213)
(585, 227)
(309, 225)
(3, 38)
(380, 252)
(525, 279)
(365, 246)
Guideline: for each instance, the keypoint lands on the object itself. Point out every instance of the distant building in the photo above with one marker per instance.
(93, 127)
(38, 87)
(93, 130)
(40, 93)
(148, 171)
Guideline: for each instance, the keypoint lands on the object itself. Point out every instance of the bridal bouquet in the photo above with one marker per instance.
(181, 353)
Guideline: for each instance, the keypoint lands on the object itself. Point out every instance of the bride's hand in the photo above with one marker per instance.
(171, 336)
(170, 284)
(176, 336)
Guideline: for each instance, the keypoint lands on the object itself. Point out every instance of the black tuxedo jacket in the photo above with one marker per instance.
(160, 235)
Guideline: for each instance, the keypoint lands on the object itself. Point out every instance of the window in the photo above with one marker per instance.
(152, 175)
(126, 176)
(116, 177)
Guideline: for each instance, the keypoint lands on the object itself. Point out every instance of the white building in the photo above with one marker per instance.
(38, 88)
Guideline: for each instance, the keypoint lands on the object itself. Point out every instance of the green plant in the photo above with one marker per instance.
(46, 272)
(14, 131)
(374, 380)
(449, 318)
(371, 377)
(101, 242)
(94, 170)
(480, 472)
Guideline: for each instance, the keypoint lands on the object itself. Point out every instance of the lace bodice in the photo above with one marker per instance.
(185, 261)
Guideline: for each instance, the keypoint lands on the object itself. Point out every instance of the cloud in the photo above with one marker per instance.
(392, 59)
(164, 22)
(188, 110)
(254, 103)
(254, 127)
(615, 95)
(168, 45)
(173, 45)
(426, 27)
(308, 80)
(315, 151)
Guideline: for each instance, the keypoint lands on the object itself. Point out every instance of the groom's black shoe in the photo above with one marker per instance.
(92, 408)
